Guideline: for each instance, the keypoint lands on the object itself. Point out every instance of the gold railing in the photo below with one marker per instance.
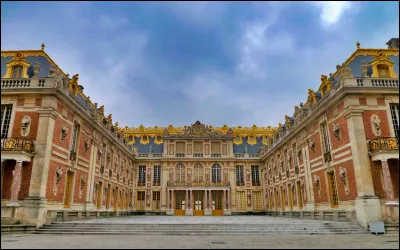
(383, 143)
(198, 184)
(17, 144)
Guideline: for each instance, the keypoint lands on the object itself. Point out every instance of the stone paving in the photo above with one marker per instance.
(200, 242)
(199, 220)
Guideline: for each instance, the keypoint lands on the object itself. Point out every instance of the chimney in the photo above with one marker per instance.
(393, 43)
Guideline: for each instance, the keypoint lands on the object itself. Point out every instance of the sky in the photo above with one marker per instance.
(233, 63)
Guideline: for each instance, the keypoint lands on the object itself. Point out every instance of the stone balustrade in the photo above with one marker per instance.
(198, 184)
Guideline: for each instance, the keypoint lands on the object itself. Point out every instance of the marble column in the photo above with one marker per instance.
(16, 184)
(168, 199)
(229, 199)
(2, 176)
(387, 181)
(187, 200)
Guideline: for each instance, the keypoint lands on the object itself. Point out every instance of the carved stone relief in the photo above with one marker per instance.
(26, 125)
(376, 125)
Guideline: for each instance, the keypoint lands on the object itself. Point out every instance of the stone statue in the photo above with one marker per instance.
(376, 125)
(364, 69)
(36, 70)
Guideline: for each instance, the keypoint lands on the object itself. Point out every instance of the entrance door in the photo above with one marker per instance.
(198, 203)
(217, 203)
(115, 199)
(68, 189)
(99, 192)
(180, 205)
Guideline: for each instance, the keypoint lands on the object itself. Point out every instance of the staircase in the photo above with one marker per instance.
(308, 228)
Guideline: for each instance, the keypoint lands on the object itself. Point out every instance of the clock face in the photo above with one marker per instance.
(198, 129)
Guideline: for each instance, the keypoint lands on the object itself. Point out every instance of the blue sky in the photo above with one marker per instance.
(234, 63)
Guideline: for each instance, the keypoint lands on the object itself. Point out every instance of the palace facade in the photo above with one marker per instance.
(335, 157)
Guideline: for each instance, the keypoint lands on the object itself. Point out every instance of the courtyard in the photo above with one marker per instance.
(200, 242)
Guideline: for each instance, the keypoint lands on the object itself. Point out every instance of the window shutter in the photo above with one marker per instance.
(180, 147)
(198, 147)
(215, 147)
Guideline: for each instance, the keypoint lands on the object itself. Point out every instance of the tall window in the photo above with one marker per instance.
(156, 176)
(255, 176)
(327, 147)
(394, 109)
(142, 176)
(198, 173)
(239, 176)
(5, 119)
(332, 189)
(198, 149)
(216, 173)
(180, 172)
(17, 72)
(180, 149)
(215, 149)
(294, 154)
(75, 133)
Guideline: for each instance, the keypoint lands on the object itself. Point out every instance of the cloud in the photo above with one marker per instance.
(331, 11)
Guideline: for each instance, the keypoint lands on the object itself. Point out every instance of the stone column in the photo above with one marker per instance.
(232, 183)
(310, 205)
(187, 200)
(229, 199)
(40, 166)
(16, 184)
(91, 174)
(367, 203)
(387, 181)
(164, 180)
(2, 176)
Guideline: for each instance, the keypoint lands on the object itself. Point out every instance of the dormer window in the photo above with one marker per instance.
(383, 71)
(17, 71)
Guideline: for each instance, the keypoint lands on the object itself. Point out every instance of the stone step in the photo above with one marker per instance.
(199, 233)
(17, 229)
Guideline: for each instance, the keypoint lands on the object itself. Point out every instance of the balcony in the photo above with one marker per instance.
(197, 155)
(180, 155)
(215, 155)
(17, 144)
(198, 184)
(141, 183)
(383, 148)
(383, 143)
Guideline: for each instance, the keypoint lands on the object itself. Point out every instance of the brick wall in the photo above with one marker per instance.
(352, 186)
(16, 132)
(382, 114)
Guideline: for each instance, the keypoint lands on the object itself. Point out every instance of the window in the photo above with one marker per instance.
(241, 201)
(198, 173)
(17, 71)
(394, 109)
(215, 149)
(156, 176)
(257, 202)
(156, 200)
(327, 147)
(216, 173)
(75, 133)
(142, 176)
(239, 176)
(140, 200)
(294, 155)
(5, 119)
(198, 149)
(180, 173)
(383, 71)
(332, 189)
(255, 176)
(180, 149)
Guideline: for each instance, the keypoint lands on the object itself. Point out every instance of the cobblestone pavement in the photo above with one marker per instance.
(198, 220)
(200, 242)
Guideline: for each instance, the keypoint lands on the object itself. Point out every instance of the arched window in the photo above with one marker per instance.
(383, 71)
(198, 173)
(180, 172)
(216, 173)
(17, 71)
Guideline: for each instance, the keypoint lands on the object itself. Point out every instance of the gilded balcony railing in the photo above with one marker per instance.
(383, 143)
(198, 184)
(17, 144)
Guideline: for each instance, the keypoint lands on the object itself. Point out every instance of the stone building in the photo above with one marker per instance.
(335, 157)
